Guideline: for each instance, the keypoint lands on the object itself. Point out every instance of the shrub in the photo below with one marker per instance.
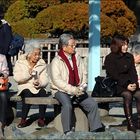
(35, 6)
(29, 27)
(17, 11)
(125, 27)
(108, 27)
(123, 17)
(65, 17)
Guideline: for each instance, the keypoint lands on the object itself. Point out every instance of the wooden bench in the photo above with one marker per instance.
(52, 101)
(80, 123)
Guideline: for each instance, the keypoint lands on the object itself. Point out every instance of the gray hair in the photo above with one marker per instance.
(136, 49)
(64, 38)
(29, 47)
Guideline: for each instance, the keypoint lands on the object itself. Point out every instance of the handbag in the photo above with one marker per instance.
(104, 87)
(4, 85)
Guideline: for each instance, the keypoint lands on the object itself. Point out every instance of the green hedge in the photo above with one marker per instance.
(25, 27)
(17, 11)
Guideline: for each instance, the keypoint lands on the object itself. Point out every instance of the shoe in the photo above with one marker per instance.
(101, 129)
(68, 133)
(131, 128)
(41, 122)
(23, 123)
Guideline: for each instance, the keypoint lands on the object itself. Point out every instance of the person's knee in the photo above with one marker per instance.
(127, 95)
(3, 96)
(67, 106)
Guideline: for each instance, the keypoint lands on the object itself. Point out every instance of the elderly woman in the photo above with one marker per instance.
(4, 72)
(30, 72)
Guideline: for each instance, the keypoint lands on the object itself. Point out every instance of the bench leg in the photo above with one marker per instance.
(80, 120)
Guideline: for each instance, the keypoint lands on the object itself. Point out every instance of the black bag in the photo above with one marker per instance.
(104, 87)
(16, 45)
(80, 98)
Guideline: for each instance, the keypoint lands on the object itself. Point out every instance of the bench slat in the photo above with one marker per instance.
(50, 100)
(108, 99)
(41, 100)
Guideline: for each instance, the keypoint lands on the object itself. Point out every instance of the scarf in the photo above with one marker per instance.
(73, 73)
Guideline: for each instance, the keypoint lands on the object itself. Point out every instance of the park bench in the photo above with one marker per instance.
(80, 119)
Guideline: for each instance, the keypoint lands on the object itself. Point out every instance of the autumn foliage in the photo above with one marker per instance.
(116, 18)
(44, 18)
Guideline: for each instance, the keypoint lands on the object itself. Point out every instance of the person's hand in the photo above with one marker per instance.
(36, 83)
(131, 87)
(78, 91)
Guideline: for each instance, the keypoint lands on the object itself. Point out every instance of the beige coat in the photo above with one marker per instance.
(60, 75)
(23, 77)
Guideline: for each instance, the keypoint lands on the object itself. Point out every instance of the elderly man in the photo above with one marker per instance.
(68, 73)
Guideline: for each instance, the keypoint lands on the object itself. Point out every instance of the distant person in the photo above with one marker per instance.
(68, 74)
(30, 72)
(5, 39)
(136, 53)
(120, 66)
(4, 96)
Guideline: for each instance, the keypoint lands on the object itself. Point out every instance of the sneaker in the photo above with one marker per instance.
(23, 123)
(41, 122)
(67, 133)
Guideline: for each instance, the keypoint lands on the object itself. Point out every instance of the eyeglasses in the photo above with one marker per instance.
(72, 46)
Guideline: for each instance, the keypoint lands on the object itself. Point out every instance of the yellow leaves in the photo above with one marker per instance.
(117, 18)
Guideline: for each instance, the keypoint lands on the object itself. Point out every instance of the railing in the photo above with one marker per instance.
(49, 49)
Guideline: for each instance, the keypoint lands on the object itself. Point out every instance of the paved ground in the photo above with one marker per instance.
(117, 121)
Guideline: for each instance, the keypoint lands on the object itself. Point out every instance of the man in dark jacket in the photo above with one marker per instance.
(5, 38)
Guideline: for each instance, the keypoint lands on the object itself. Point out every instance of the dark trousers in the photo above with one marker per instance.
(128, 99)
(6, 112)
(3, 107)
(26, 107)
